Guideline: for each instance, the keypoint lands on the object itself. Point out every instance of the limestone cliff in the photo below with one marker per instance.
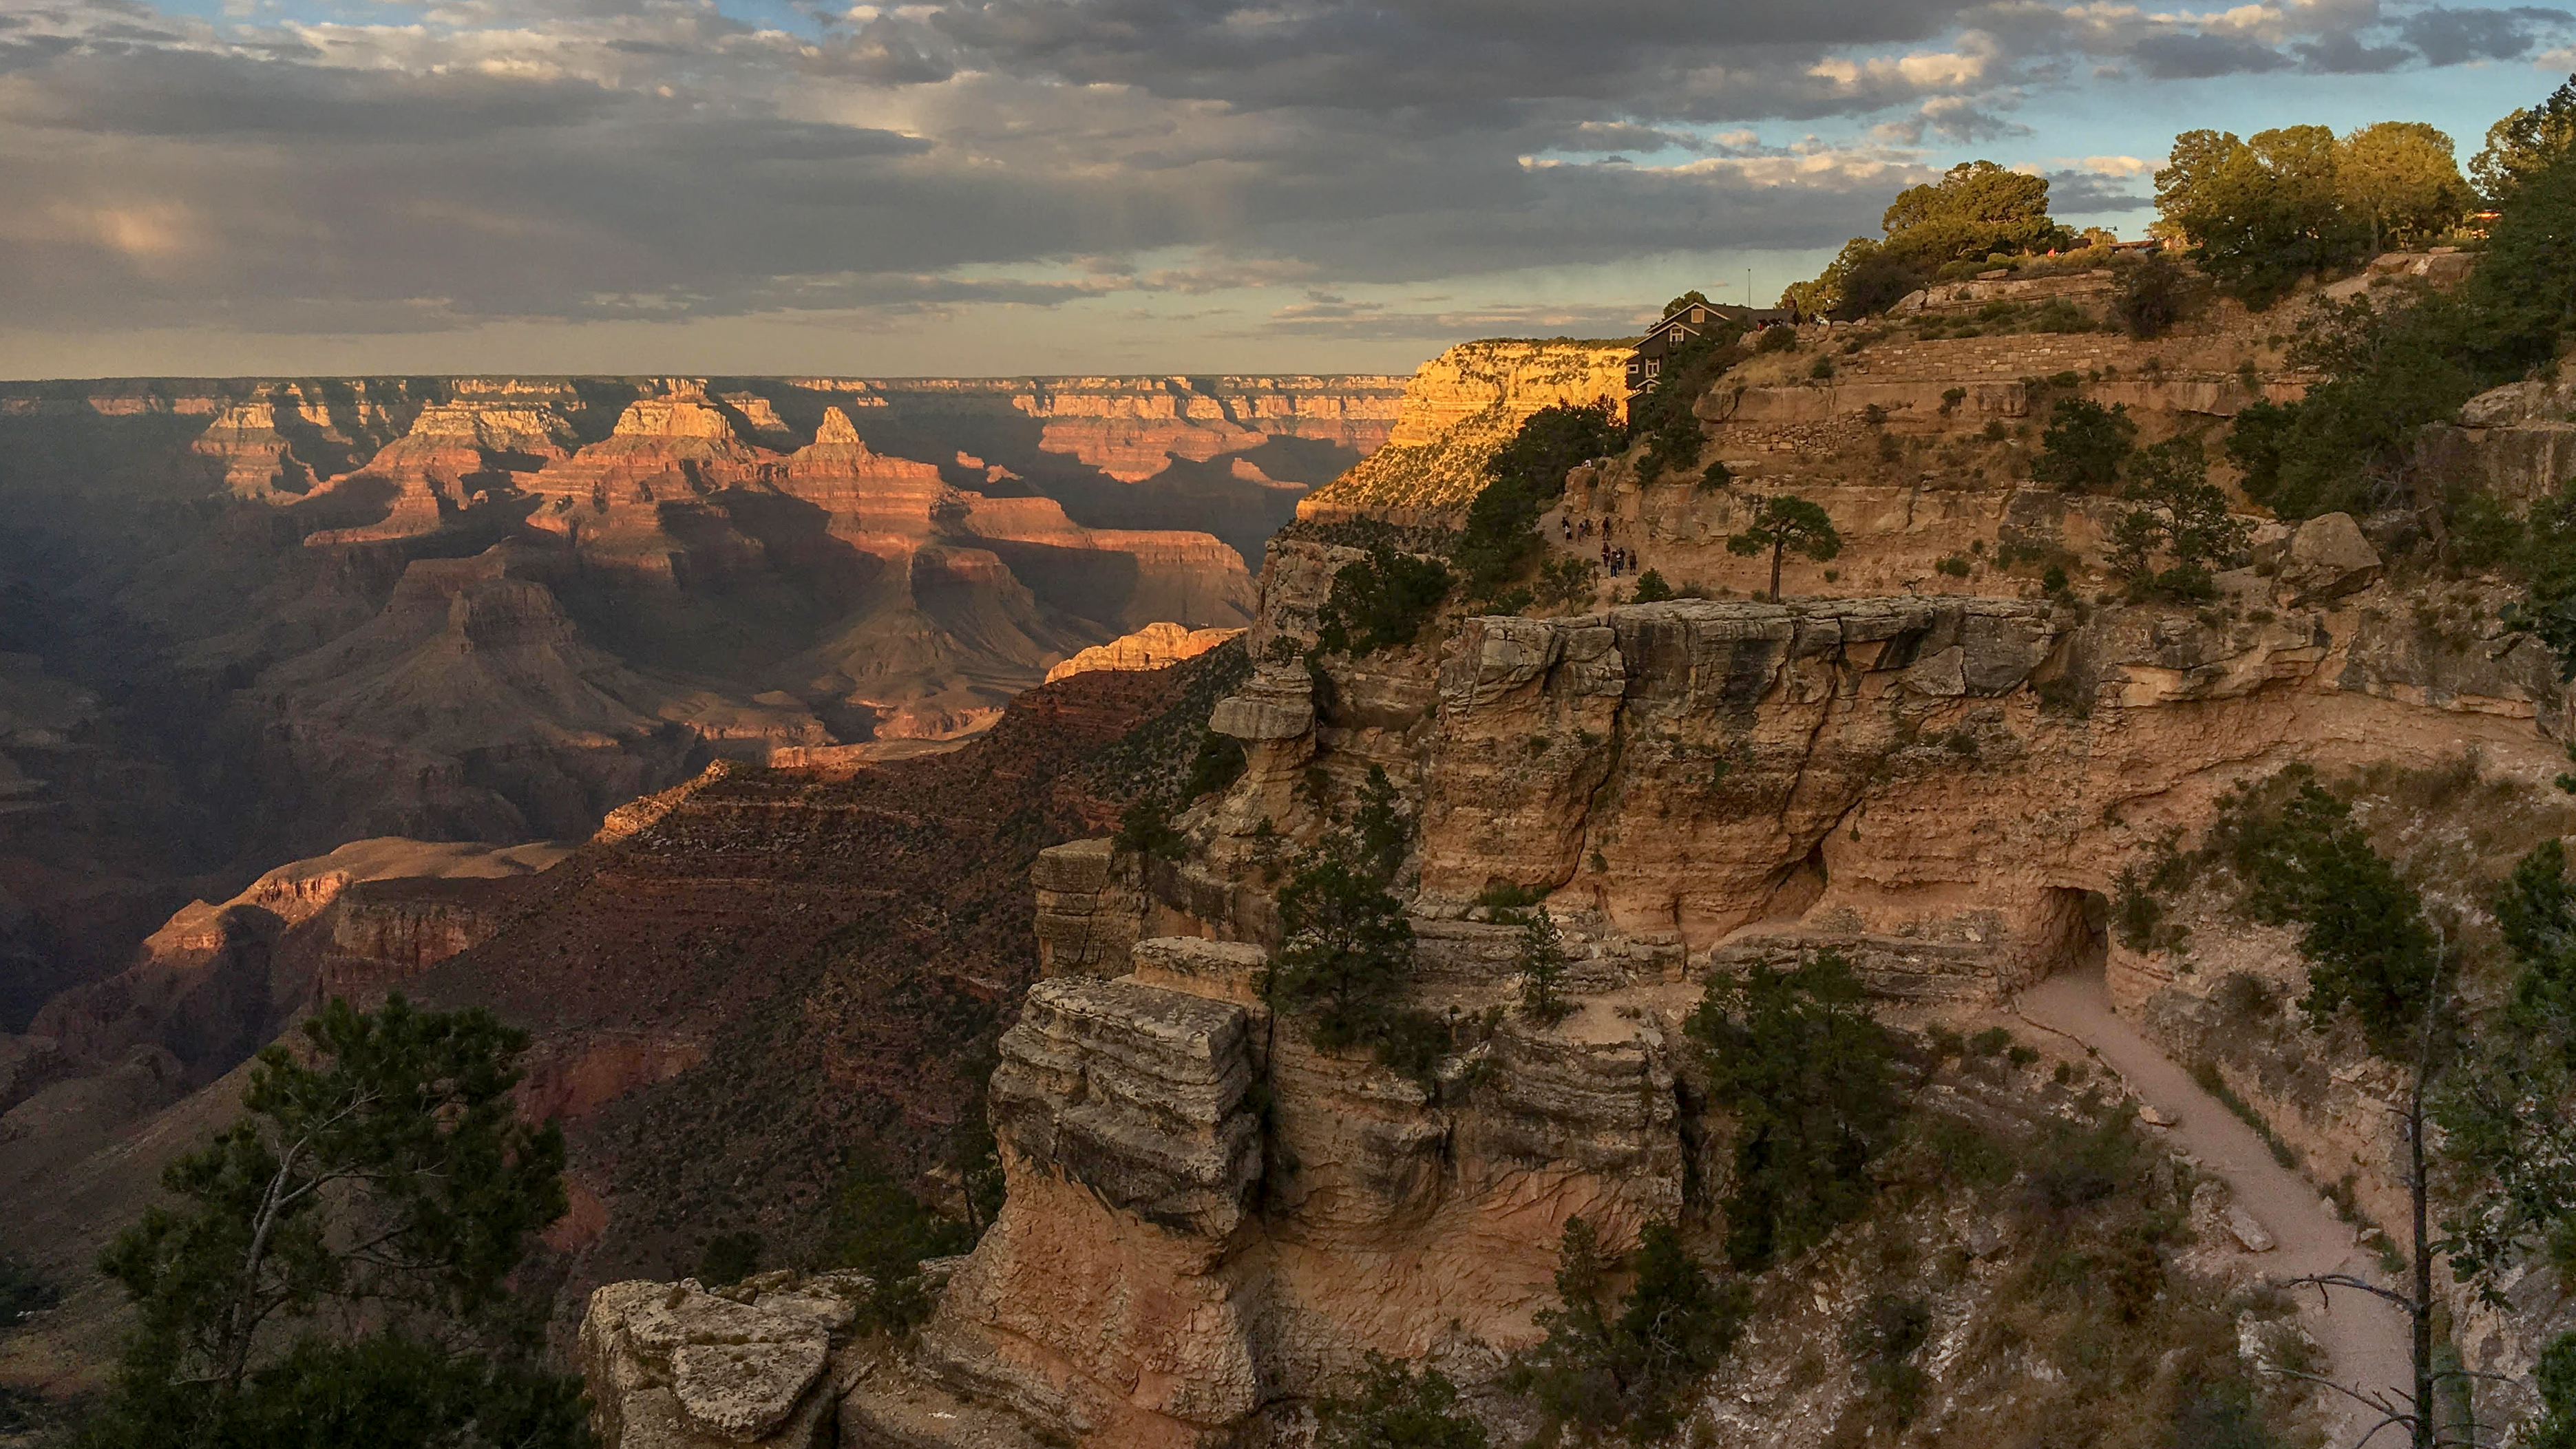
(1459, 409)
(1209, 1223)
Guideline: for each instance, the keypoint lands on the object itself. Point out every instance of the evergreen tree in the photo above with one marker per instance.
(1785, 522)
(1811, 1082)
(2085, 444)
(2175, 513)
(336, 1266)
(1397, 1408)
(1541, 966)
(1628, 1366)
(2528, 141)
(1345, 947)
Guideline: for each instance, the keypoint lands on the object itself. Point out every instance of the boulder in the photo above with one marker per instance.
(2249, 1234)
(674, 1366)
(2328, 558)
(1279, 704)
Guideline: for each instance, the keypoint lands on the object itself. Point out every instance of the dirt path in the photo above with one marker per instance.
(2366, 1336)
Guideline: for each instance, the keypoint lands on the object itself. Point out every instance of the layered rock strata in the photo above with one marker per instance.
(1459, 410)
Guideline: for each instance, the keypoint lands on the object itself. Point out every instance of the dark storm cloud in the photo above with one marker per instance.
(1412, 54)
(2201, 56)
(2453, 37)
(2346, 54)
(2082, 193)
(587, 159)
(162, 92)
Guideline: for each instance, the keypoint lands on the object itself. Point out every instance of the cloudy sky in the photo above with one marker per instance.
(1002, 186)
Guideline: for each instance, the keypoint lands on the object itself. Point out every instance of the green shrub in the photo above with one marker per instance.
(1380, 602)
(729, 1258)
(1218, 764)
(1397, 1407)
(1883, 1341)
(2149, 298)
(2305, 861)
(2176, 515)
(2059, 315)
(1146, 828)
(2388, 369)
(1956, 566)
(1776, 339)
(1811, 1081)
(2085, 444)
(1822, 368)
(1651, 588)
(1524, 479)
(2555, 1378)
(1567, 581)
(1628, 1366)
(1989, 1042)
(879, 1227)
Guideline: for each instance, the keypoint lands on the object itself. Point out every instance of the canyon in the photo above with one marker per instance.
(245, 622)
(776, 942)
(1211, 1222)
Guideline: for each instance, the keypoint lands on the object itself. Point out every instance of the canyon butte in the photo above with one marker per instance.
(619, 708)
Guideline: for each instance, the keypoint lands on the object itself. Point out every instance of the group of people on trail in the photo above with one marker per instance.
(1616, 559)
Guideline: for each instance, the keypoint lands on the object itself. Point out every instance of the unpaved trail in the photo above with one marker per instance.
(2366, 1336)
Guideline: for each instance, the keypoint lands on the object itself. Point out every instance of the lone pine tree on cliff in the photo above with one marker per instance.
(1785, 522)
(336, 1267)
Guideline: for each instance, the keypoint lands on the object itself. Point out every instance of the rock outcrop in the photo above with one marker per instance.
(675, 1366)
(1459, 409)
(1151, 647)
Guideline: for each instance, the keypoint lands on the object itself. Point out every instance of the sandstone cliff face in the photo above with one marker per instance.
(1459, 409)
(1151, 647)
(1943, 788)
(218, 979)
(1173, 1261)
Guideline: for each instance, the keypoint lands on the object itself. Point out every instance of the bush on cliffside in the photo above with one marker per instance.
(2085, 444)
(1811, 1081)
(1631, 1364)
(1380, 602)
(2176, 528)
(1397, 1407)
(1524, 479)
(880, 1228)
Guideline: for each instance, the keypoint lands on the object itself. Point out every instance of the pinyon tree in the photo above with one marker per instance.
(336, 1268)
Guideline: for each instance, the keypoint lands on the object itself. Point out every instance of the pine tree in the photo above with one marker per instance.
(1542, 965)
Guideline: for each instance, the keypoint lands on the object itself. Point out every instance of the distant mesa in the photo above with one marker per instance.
(1460, 409)
(1151, 647)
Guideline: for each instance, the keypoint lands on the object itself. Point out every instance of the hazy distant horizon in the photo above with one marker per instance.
(993, 188)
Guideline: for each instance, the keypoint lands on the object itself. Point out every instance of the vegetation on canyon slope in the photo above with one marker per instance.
(337, 1269)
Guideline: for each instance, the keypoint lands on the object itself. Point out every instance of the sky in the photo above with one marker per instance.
(1001, 187)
